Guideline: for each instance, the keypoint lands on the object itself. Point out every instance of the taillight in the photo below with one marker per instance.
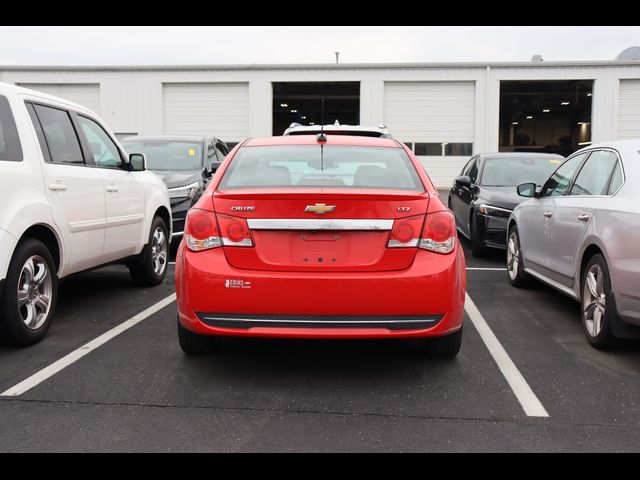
(201, 230)
(234, 231)
(439, 234)
(406, 232)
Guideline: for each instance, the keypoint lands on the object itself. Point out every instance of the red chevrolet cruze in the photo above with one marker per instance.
(321, 237)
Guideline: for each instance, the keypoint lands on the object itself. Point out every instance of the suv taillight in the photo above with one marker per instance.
(439, 234)
(201, 230)
(406, 232)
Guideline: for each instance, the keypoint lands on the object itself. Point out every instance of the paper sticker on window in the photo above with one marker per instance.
(192, 152)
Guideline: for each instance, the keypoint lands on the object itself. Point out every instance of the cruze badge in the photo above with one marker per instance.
(320, 208)
(243, 208)
(404, 209)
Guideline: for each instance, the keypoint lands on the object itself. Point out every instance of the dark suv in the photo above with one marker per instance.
(185, 163)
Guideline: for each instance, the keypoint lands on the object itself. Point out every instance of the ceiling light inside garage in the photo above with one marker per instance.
(564, 103)
(515, 123)
(529, 117)
(546, 110)
(589, 94)
(294, 111)
(284, 105)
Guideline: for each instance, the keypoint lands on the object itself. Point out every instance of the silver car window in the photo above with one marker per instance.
(595, 173)
(616, 179)
(559, 182)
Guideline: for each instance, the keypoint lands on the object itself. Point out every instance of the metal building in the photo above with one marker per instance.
(445, 112)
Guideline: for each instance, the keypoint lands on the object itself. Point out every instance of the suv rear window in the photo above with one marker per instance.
(10, 149)
(331, 166)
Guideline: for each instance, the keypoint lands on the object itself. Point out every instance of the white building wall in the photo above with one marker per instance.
(131, 100)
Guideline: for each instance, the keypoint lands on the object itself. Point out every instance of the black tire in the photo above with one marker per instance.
(447, 346)
(194, 344)
(478, 248)
(143, 268)
(12, 326)
(517, 276)
(604, 338)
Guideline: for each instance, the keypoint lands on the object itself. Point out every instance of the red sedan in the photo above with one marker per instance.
(321, 237)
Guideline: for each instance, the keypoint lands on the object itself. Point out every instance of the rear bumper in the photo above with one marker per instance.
(493, 231)
(424, 300)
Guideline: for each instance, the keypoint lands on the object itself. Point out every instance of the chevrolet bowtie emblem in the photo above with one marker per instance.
(320, 208)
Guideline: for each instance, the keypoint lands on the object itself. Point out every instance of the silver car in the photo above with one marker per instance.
(580, 234)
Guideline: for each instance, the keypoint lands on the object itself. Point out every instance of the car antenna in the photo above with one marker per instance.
(322, 138)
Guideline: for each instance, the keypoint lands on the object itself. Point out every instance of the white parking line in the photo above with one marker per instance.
(486, 269)
(47, 372)
(530, 404)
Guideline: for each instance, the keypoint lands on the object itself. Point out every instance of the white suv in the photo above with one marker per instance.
(70, 200)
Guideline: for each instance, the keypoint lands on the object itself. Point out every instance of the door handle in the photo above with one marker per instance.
(57, 187)
(112, 188)
(584, 217)
(548, 214)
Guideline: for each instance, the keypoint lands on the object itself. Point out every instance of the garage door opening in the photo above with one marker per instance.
(300, 102)
(545, 116)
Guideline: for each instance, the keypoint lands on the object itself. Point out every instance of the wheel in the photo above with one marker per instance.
(478, 249)
(597, 319)
(150, 267)
(30, 293)
(515, 266)
(194, 344)
(447, 346)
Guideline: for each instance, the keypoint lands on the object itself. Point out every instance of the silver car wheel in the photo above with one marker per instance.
(159, 251)
(35, 288)
(594, 300)
(513, 255)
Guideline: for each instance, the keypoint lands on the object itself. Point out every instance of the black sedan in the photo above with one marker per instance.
(186, 163)
(484, 195)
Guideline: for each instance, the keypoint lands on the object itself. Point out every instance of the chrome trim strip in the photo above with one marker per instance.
(125, 220)
(313, 224)
(177, 234)
(87, 225)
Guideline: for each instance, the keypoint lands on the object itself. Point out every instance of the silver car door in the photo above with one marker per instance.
(574, 212)
(536, 216)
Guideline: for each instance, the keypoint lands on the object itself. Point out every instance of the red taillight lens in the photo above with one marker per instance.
(201, 230)
(234, 231)
(439, 234)
(406, 232)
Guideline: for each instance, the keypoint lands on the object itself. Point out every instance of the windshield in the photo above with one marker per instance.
(168, 155)
(509, 172)
(337, 166)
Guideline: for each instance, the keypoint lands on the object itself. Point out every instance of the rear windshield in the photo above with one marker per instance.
(315, 166)
(168, 156)
(10, 149)
(509, 172)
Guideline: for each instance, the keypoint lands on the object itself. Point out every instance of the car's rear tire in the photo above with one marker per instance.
(194, 344)
(478, 248)
(150, 267)
(515, 266)
(30, 294)
(446, 346)
(596, 299)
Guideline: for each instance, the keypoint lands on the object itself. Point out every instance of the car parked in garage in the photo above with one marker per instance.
(185, 163)
(484, 195)
(580, 234)
(326, 236)
(71, 201)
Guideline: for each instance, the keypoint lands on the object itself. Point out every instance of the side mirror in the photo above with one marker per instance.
(463, 181)
(137, 162)
(527, 190)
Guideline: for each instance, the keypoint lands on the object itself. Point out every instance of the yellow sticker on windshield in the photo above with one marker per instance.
(192, 152)
(555, 161)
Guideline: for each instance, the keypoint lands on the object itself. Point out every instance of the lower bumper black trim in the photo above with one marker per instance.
(246, 321)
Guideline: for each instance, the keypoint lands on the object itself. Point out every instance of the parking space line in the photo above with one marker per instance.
(47, 372)
(530, 404)
(487, 269)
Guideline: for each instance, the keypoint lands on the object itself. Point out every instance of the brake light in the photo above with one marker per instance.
(201, 230)
(406, 232)
(439, 234)
(234, 231)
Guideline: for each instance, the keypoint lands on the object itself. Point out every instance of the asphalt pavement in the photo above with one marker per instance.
(139, 392)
